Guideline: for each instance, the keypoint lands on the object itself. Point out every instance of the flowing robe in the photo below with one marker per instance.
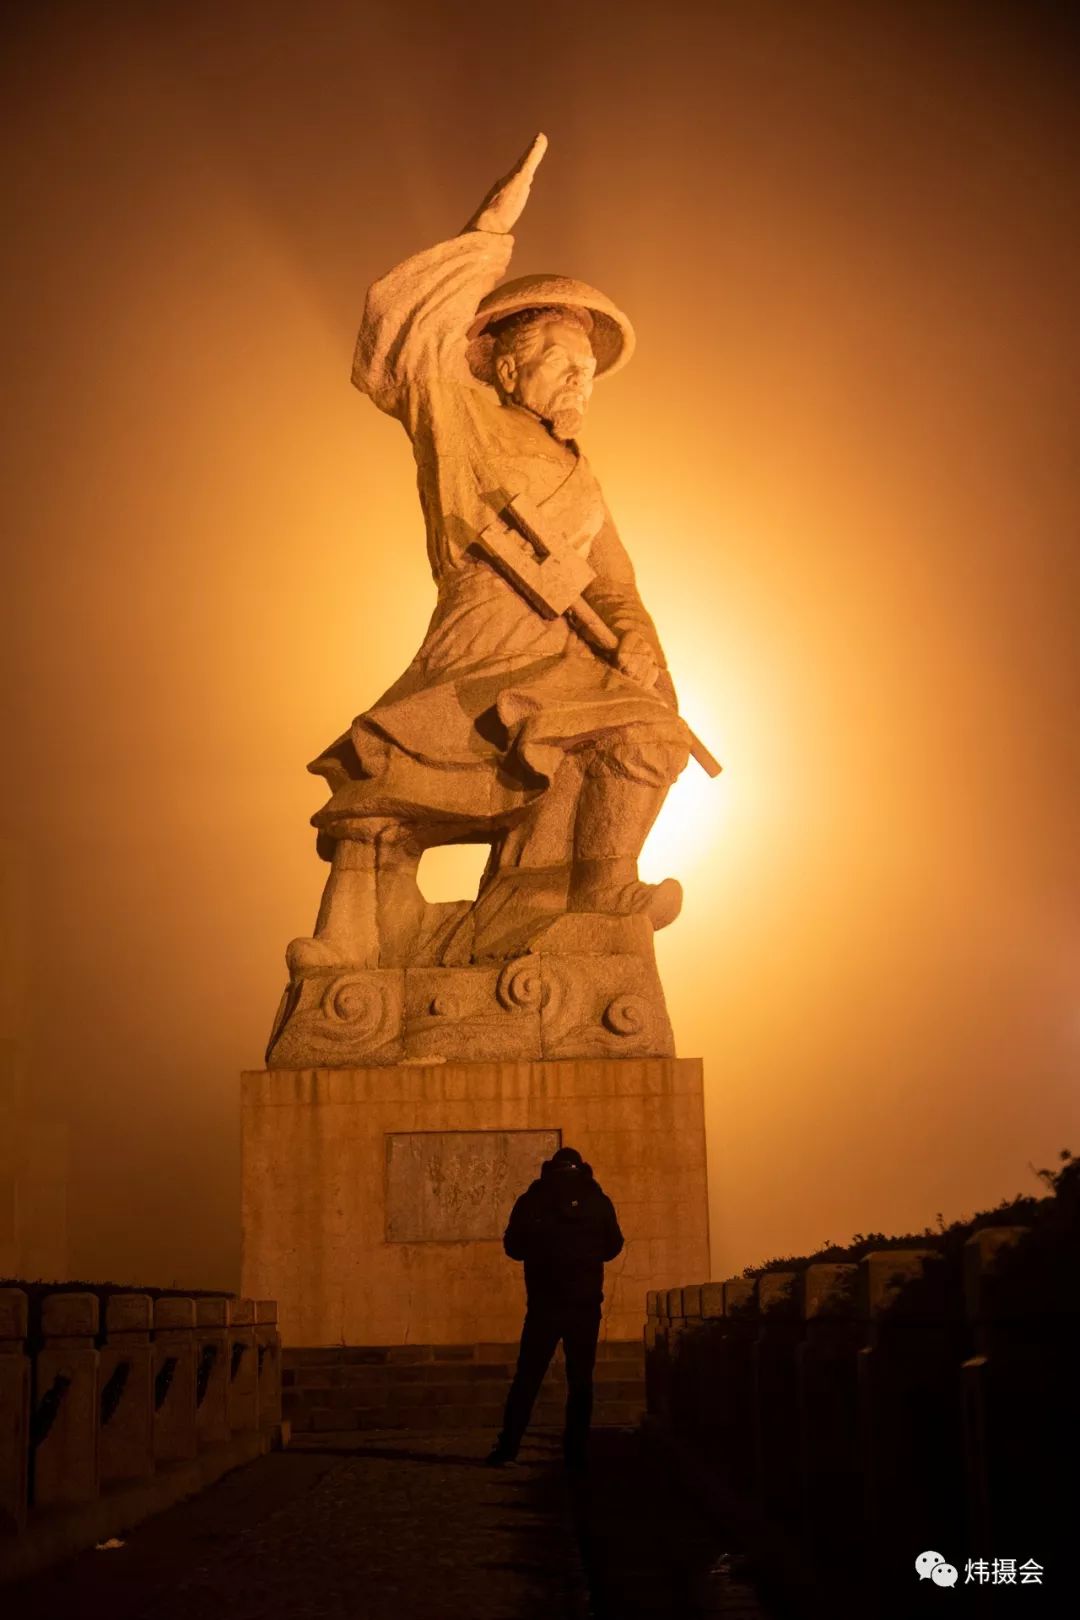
(475, 729)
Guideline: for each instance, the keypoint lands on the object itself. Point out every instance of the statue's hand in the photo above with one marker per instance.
(636, 659)
(502, 206)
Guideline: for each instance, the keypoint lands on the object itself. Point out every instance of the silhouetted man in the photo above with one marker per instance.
(563, 1228)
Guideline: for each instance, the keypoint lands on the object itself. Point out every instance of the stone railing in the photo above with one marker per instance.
(116, 1404)
(844, 1418)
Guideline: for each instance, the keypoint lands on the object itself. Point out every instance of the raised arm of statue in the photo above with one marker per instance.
(413, 334)
(501, 208)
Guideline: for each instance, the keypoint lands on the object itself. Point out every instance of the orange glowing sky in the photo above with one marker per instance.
(844, 461)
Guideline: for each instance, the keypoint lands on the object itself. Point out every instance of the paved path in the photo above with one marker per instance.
(414, 1527)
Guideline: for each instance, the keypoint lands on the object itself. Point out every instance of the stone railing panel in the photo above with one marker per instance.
(831, 1460)
(64, 1422)
(126, 1400)
(1020, 1404)
(725, 1423)
(740, 1296)
(712, 1300)
(908, 1370)
(842, 1414)
(983, 1253)
(211, 1371)
(243, 1367)
(268, 1362)
(775, 1404)
(15, 1409)
(175, 1438)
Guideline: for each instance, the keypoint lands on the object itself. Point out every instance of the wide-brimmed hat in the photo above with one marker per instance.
(611, 335)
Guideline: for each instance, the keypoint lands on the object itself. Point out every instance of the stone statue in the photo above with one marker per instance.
(538, 716)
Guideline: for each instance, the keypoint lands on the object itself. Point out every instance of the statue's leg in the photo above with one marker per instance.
(626, 781)
(371, 906)
(346, 929)
(527, 880)
(400, 907)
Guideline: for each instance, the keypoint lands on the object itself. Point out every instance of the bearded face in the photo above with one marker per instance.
(549, 367)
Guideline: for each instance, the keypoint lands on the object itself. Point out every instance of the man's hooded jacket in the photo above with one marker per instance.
(564, 1228)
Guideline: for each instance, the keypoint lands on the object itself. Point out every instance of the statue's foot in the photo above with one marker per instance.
(660, 902)
(306, 955)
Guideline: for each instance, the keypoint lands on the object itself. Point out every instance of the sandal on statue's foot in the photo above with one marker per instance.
(304, 955)
(609, 886)
(660, 902)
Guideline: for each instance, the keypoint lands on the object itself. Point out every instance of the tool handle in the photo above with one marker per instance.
(589, 624)
(588, 620)
(708, 762)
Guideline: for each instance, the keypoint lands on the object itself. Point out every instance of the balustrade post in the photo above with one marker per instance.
(14, 1409)
(691, 1363)
(268, 1362)
(1021, 1402)
(651, 1334)
(729, 1323)
(733, 1369)
(776, 1396)
(675, 1326)
(174, 1380)
(712, 1322)
(211, 1371)
(909, 1412)
(830, 1462)
(126, 1403)
(243, 1367)
(663, 1357)
(64, 1421)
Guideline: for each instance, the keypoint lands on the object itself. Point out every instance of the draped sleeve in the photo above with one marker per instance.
(413, 335)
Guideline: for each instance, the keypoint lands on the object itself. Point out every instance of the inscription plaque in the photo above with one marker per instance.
(459, 1186)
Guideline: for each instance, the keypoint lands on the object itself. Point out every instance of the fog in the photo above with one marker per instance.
(843, 459)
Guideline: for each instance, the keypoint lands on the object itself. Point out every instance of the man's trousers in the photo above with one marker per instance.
(578, 1326)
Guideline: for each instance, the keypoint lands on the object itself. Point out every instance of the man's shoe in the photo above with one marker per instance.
(499, 1456)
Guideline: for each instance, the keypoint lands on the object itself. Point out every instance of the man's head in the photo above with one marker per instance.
(543, 359)
(566, 1158)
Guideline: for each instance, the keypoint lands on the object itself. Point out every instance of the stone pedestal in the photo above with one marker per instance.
(587, 988)
(375, 1199)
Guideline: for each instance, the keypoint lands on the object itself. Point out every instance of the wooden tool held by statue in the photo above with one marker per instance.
(551, 576)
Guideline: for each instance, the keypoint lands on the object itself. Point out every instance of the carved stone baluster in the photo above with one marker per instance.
(15, 1406)
(174, 1380)
(211, 1371)
(64, 1425)
(126, 1406)
(243, 1367)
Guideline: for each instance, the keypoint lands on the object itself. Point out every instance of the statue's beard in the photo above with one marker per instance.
(562, 410)
(566, 422)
